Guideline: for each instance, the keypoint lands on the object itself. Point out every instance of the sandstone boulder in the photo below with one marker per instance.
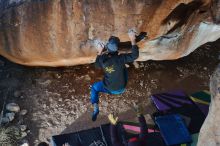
(210, 131)
(61, 32)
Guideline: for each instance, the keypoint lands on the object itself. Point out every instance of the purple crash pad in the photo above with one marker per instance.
(169, 100)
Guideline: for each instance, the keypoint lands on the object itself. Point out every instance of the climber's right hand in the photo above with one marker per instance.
(132, 35)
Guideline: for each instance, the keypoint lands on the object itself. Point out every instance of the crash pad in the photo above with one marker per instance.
(173, 129)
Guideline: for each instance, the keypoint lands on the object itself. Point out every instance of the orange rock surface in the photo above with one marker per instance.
(61, 32)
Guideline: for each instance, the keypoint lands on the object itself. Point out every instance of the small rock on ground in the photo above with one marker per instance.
(136, 65)
(87, 78)
(13, 107)
(5, 120)
(23, 112)
(10, 116)
(23, 127)
(24, 144)
(17, 94)
(23, 134)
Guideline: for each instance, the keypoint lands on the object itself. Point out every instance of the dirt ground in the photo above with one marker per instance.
(57, 99)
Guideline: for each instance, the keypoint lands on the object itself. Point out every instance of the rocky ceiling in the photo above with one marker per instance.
(61, 32)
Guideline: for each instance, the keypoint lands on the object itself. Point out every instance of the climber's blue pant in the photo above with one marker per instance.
(99, 87)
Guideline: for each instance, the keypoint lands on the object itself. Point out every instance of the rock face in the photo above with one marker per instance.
(61, 32)
(210, 131)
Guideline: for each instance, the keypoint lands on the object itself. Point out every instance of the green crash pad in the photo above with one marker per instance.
(202, 100)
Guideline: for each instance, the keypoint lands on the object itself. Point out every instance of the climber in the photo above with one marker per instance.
(143, 139)
(113, 65)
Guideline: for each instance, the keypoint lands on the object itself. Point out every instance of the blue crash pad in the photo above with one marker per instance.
(173, 129)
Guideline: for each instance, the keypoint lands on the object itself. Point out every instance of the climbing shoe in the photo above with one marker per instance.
(95, 112)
